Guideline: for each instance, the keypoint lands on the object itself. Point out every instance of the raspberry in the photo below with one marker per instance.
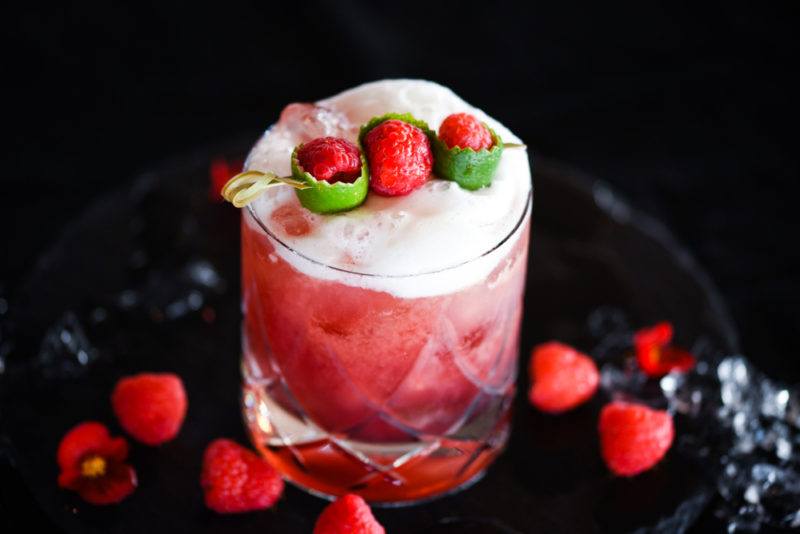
(465, 131)
(400, 158)
(150, 406)
(220, 171)
(92, 463)
(330, 159)
(655, 355)
(633, 437)
(349, 514)
(235, 479)
(561, 377)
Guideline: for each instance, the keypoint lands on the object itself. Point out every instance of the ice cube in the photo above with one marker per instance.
(309, 121)
(606, 320)
(65, 350)
(292, 220)
(774, 400)
(203, 273)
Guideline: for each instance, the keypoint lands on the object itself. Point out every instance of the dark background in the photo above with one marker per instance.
(689, 112)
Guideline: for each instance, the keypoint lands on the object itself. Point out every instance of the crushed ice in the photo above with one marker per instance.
(733, 414)
(65, 351)
(168, 295)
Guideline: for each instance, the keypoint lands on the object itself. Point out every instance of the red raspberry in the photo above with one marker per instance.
(633, 437)
(220, 171)
(655, 355)
(235, 479)
(92, 463)
(330, 159)
(150, 406)
(561, 377)
(349, 514)
(465, 131)
(399, 156)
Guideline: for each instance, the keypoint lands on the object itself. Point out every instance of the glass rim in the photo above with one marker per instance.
(514, 229)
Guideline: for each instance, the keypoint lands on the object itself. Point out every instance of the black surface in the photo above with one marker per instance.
(550, 479)
(689, 110)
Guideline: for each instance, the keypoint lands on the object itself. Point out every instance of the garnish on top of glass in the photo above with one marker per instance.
(396, 154)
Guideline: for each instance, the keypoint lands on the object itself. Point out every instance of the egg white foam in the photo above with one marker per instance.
(437, 240)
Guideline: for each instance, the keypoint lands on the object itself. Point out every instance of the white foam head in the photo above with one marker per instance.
(432, 241)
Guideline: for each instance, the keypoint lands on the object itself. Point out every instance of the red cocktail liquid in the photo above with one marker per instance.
(348, 389)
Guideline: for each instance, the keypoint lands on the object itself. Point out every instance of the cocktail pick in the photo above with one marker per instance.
(247, 186)
(319, 196)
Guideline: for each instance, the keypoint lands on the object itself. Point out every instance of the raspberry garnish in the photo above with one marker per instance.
(150, 406)
(561, 377)
(331, 159)
(220, 171)
(633, 437)
(93, 464)
(399, 156)
(349, 514)
(235, 479)
(465, 131)
(655, 355)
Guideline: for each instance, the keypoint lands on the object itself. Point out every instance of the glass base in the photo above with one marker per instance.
(385, 473)
(397, 504)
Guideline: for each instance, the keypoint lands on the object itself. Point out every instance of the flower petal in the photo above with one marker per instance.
(82, 439)
(118, 482)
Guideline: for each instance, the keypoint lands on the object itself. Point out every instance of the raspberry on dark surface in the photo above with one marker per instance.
(331, 159)
(235, 479)
(349, 514)
(399, 156)
(465, 131)
(656, 355)
(92, 464)
(561, 377)
(150, 406)
(634, 437)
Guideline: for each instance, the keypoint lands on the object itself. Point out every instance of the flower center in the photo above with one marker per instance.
(93, 466)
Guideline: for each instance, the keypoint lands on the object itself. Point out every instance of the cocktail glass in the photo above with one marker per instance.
(352, 390)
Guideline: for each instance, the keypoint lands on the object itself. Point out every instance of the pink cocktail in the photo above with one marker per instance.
(392, 383)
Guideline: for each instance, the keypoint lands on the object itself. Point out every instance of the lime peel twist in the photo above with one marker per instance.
(471, 169)
(321, 196)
